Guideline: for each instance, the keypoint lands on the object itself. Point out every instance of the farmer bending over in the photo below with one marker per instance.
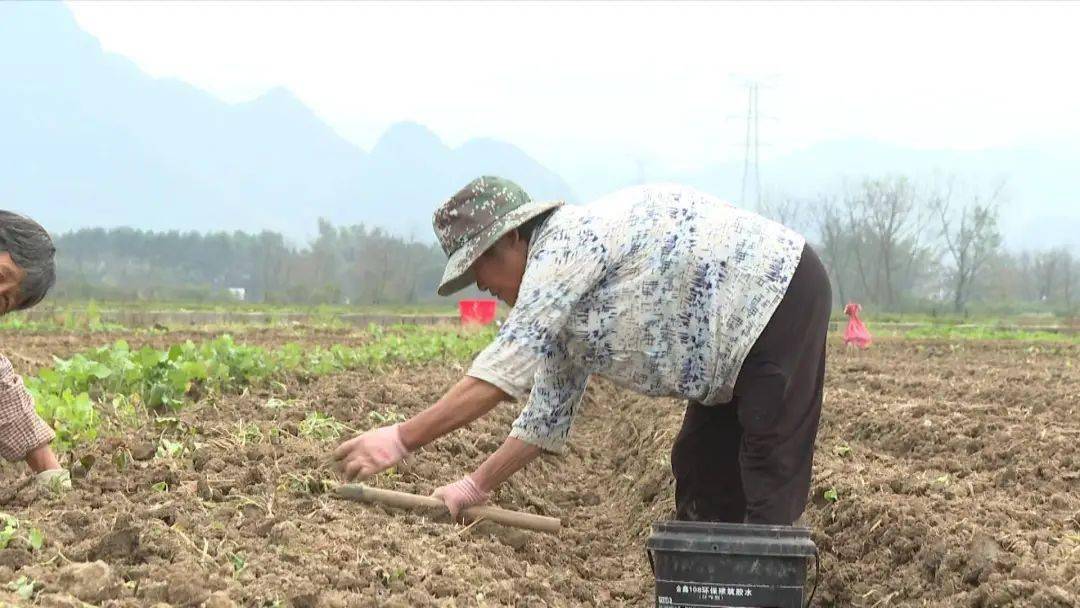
(26, 274)
(662, 289)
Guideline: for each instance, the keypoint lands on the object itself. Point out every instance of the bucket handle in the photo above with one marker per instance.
(817, 576)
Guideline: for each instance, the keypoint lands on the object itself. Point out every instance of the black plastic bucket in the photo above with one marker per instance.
(707, 564)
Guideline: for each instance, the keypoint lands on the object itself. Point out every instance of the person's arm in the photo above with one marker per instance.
(475, 489)
(466, 401)
(511, 457)
(23, 434)
(379, 449)
(544, 424)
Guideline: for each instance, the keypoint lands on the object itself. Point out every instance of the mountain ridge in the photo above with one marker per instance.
(91, 140)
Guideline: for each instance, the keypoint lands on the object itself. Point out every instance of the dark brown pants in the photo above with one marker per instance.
(749, 460)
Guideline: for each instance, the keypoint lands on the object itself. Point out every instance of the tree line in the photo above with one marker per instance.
(342, 265)
(890, 243)
(900, 246)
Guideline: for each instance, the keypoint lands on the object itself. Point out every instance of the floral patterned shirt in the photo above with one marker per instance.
(662, 289)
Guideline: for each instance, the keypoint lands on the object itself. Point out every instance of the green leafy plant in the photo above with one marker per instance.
(72, 416)
(274, 403)
(249, 433)
(36, 539)
(170, 449)
(387, 416)
(83, 320)
(321, 427)
(306, 484)
(11, 527)
(988, 332)
(387, 576)
(239, 563)
(25, 587)
(137, 383)
(122, 459)
(831, 495)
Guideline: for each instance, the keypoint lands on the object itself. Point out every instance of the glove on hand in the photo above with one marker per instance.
(371, 452)
(57, 480)
(461, 495)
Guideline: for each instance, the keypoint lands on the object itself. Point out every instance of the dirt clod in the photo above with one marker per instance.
(59, 600)
(92, 582)
(186, 590)
(283, 533)
(983, 552)
(144, 451)
(202, 488)
(199, 458)
(219, 599)
(121, 544)
(14, 558)
(511, 537)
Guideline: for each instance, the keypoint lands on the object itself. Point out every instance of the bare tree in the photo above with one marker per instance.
(326, 255)
(886, 221)
(971, 236)
(1068, 274)
(1045, 269)
(782, 208)
(1055, 276)
(832, 230)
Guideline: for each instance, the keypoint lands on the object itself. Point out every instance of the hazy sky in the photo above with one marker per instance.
(581, 87)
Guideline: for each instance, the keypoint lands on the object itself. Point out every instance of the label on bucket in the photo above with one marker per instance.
(680, 594)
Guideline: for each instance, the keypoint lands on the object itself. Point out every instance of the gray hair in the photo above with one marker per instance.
(32, 250)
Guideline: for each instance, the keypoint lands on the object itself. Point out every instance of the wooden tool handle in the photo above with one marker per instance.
(404, 500)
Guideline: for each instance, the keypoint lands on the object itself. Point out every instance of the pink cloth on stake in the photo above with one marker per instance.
(856, 332)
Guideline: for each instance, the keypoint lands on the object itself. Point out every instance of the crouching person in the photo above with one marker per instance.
(27, 272)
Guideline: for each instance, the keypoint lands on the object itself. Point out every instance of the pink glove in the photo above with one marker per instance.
(371, 452)
(461, 495)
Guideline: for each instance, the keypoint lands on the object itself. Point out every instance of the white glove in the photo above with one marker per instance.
(57, 480)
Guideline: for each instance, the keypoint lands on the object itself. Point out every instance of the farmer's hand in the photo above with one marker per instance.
(57, 480)
(461, 495)
(371, 452)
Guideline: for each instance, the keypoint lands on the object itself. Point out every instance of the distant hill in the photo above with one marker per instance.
(88, 139)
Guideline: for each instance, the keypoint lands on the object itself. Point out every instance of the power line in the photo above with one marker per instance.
(746, 141)
(752, 145)
(757, 147)
(751, 178)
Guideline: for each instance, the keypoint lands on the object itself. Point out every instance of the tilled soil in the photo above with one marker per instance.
(955, 470)
(961, 484)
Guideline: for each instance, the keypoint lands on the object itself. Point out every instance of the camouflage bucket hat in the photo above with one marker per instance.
(474, 219)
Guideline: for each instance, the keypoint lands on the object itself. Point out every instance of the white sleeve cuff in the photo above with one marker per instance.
(492, 377)
(555, 445)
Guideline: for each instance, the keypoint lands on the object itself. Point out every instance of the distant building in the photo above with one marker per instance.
(237, 293)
